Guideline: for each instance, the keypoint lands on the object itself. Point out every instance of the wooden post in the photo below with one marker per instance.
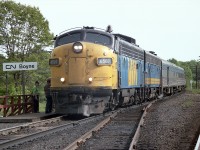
(23, 91)
(196, 77)
(6, 83)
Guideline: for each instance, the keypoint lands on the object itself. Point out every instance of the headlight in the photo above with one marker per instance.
(62, 79)
(90, 79)
(54, 62)
(104, 61)
(77, 47)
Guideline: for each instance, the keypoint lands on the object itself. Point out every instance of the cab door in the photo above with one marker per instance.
(168, 76)
(122, 69)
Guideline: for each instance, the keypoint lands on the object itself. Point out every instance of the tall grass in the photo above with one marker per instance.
(196, 91)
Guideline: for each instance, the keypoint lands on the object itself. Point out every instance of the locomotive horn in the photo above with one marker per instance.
(109, 29)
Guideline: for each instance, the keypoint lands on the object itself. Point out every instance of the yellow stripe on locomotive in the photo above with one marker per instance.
(132, 72)
(152, 81)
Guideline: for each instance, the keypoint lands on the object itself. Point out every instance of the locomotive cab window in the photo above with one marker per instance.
(68, 38)
(98, 38)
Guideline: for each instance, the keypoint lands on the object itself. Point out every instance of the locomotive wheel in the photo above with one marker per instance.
(136, 99)
(112, 104)
(132, 100)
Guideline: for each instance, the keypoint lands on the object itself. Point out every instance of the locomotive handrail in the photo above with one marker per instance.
(69, 30)
(65, 31)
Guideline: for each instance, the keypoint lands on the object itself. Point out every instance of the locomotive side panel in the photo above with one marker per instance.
(131, 65)
(153, 70)
(128, 72)
(173, 78)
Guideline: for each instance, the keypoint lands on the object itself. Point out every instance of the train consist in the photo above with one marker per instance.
(93, 70)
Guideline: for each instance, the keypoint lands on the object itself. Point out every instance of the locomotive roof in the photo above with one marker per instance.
(126, 38)
(99, 30)
(85, 28)
(83, 33)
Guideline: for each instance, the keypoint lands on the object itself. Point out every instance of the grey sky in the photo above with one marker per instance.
(171, 28)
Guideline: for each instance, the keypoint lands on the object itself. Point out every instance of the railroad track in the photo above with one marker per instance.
(16, 129)
(12, 137)
(119, 131)
(22, 133)
(112, 130)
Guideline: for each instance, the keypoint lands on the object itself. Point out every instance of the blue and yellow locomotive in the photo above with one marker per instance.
(93, 70)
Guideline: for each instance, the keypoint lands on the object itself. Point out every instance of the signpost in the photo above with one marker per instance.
(191, 84)
(17, 66)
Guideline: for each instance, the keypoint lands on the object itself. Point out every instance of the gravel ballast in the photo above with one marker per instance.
(171, 123)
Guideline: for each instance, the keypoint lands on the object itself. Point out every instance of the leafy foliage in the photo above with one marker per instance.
(2, 75)
(24, 34)
(23, 30)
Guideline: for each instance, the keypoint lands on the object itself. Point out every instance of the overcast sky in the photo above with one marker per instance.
(171, 28)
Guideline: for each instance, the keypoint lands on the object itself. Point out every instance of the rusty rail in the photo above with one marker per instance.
(14, 105)
(87, 135)
(137, 133)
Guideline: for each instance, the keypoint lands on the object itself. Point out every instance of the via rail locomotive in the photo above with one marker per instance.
(93, 70)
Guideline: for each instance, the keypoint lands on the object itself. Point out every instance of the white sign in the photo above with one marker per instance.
(19, 66)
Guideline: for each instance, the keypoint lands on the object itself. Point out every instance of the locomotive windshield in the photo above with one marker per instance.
(85, 35)
(69, 38)
(98, 38)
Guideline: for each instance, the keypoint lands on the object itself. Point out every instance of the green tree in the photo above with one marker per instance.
(186, 67)
(24, 33)
(41, 74)
(192, 64)
(23, 30)
(174, 61)
(2, 76)
(188, 72)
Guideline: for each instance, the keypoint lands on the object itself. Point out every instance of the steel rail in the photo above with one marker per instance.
(137, 133)
(39, 134)
(35, 124)
(87, 135)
